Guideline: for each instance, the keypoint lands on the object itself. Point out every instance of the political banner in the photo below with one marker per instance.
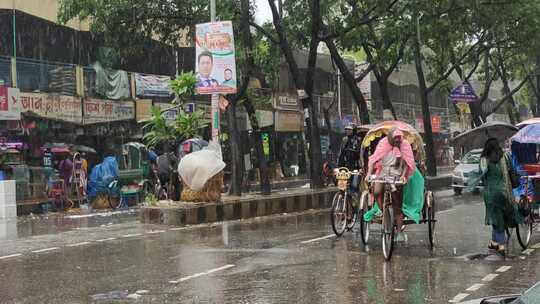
(153, 85)
(215, 58)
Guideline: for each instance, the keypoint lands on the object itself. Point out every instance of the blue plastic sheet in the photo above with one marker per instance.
(101, 176)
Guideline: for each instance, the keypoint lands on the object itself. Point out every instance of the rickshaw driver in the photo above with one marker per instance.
(393, 157)
(349, 155)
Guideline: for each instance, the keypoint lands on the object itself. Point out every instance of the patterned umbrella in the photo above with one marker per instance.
(535, 120)
(381, 129)
(528, 135)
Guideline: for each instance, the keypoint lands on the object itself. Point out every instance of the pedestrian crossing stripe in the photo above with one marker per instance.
(536, 246)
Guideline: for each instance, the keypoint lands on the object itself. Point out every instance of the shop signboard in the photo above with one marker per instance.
(435, 124)
(215, 58)
(55, 107)
(170, 111)
(266, 144)
(265, 118)
(288, 121)
(100, 111)
(9, 104)
(287, 102)
(153, 85)
(143, 109)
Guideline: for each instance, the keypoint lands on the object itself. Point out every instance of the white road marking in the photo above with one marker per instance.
(475, 287)
(446, 211)
(156, 231)
(193, 276)
(318, 239)
(176, 229)
(105, 240)
(10, 256)
(528, 251)
(45, 250)
(131, 235)
(536, 246)
(459, 297)
(489, 277)
(503, 269)
(78, 244)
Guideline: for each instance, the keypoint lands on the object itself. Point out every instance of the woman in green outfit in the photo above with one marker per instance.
(500, 211)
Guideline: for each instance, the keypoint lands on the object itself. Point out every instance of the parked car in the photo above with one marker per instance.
(464, 169)
(531, 296)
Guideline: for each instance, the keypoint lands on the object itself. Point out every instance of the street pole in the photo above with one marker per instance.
(339, 92)
(215, 97)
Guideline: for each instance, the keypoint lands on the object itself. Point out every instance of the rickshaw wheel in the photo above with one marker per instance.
(363, 208)
(524, 231)
(388, 227)
(388, 232)
(430, 203)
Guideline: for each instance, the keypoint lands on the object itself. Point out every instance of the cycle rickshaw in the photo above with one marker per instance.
(343, 213)
(524, 146)
(388, 220)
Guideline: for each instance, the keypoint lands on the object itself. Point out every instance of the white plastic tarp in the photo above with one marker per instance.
(198, 167)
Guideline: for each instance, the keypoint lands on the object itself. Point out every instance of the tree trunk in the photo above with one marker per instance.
(266, 187)
(349, 79)
(430, 147)
(251, 69)
(387, 103)
(538, 84)
(315, 142)
(236, 166)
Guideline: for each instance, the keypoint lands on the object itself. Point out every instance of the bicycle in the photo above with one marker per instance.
(343, 214)
(388, 220)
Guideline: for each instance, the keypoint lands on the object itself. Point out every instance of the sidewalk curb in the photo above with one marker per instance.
(182, 214)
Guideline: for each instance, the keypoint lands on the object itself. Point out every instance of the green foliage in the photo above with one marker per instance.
(159, 130)
(150, 200)
(184, 86)
(189, 125)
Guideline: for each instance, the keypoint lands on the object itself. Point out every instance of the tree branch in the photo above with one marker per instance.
(265, 33)
(473, 70)
(401, 52)
(365, 19)
(506, 97)
(365, 72)
(454, 65)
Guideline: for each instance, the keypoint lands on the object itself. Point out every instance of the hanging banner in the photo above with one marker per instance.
(100, 111)
(56, 107)
(9, 104)
(153, 85)
(215, 60)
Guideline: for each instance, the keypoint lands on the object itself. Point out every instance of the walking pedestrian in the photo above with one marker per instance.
(501, 213)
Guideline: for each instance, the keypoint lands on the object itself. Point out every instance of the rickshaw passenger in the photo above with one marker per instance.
(393, 157)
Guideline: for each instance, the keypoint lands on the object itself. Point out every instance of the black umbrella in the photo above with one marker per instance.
(475, 138)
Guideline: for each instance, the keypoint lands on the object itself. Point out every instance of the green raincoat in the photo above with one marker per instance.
(501, 211)
(413, 196)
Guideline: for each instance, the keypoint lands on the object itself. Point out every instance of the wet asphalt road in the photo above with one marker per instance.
(285, 259)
